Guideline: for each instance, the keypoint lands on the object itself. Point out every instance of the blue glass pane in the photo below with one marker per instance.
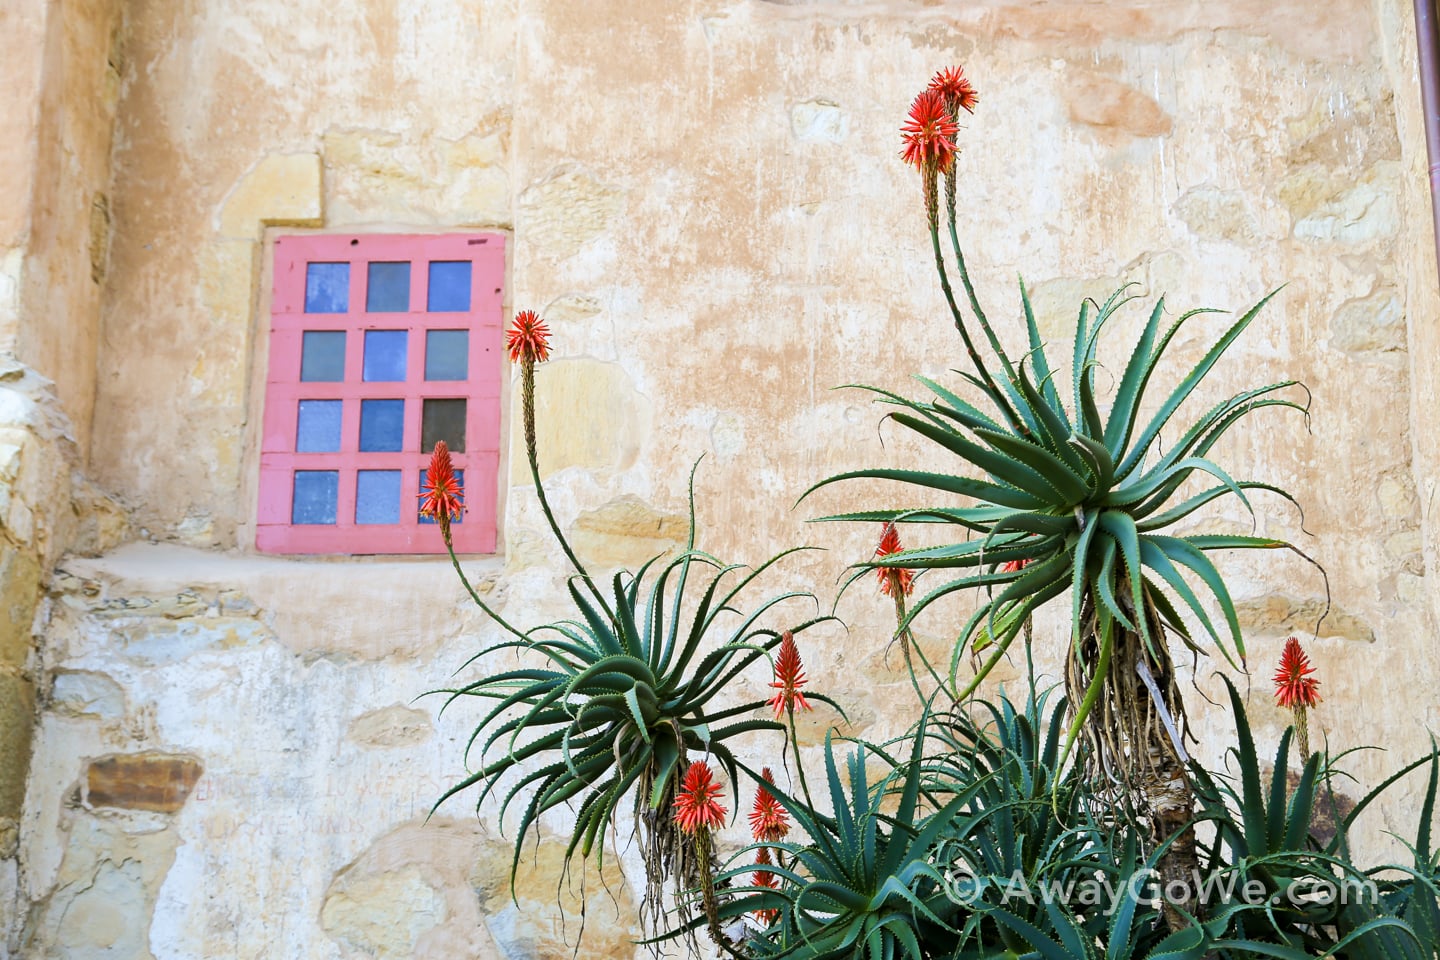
(459, 479)
(315, 494)
(377, 496)
(322, 356)
(447, 354)
(389, 288)
(449, 286)
(318, 427)
(382, 426)
(327, 287)
(386, 352)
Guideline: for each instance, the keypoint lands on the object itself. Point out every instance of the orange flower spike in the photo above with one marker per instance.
(696, 806)
(528, 338)
(951, 84)
(440, 496)
(767, 818)
(929, 134)
(894, 581)
(1293, 687)
(1013, 566)
(764, 878)
(789, 677)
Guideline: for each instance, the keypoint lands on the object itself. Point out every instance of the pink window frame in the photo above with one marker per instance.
(480, 461)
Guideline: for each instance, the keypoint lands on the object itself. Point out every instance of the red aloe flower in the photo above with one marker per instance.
(440, 496)
(1010, 566)
(789, 677)
(767, 819)
(929, 134)
(951, 84)
(894, 581)
(1292, 687)
(695, 804)
(528, 338)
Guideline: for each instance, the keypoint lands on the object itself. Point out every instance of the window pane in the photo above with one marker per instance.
(382, 425)
(449, 286)
(318, 428)
(322, 356)
(447, 354)
(315, 494)
(443, 420)
(385, 355)
(377, 496)
(327, 287)
(389, 288)
(460, 481)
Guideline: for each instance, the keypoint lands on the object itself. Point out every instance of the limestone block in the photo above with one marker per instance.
(573, 308)
(1397, 496)
(384, 915)
(383, 175)
(818, 121)
(85, 694)
(1111, 106)
(566, 210)
(392, 726)
(103, 898)
(11, 263)
(101, 522)
(626, 533)
(587, 414)
(1376, 322)
(540, 921)
(17, 727)
(1279, 614)
(152, 642)
(1216, 214)
(1362, 213)
(280, 190)
(157, 782)
(19, 593)
(407, 896)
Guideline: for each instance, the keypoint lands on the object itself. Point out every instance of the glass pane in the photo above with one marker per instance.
(447, 354)
(449, 286)
(460, 481)
(322, 356)
(389, 288)
(443, 420)
(385, 355)
(318, 428)
(377, 496)
(382, 425)
(315, 494)
(327, 287)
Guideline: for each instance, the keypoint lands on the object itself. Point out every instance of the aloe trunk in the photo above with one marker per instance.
(1135, 734)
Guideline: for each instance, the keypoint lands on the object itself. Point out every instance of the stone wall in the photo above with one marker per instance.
(60, 72)
(705, 201)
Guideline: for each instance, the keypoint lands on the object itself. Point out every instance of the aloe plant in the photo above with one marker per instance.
(609, 703)
(865, 883)
(1071, 501)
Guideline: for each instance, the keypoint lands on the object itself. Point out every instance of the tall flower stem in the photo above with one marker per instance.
(981, 369)
(907, 640)
(527, 408)
(455, 562)
(1302, 732)
(795, 744)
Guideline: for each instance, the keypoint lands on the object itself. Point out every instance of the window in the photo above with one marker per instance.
(379, 347)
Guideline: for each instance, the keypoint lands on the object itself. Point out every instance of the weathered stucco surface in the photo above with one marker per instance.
(706, 202)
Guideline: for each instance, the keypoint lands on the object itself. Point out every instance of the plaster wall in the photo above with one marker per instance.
(706, 203)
